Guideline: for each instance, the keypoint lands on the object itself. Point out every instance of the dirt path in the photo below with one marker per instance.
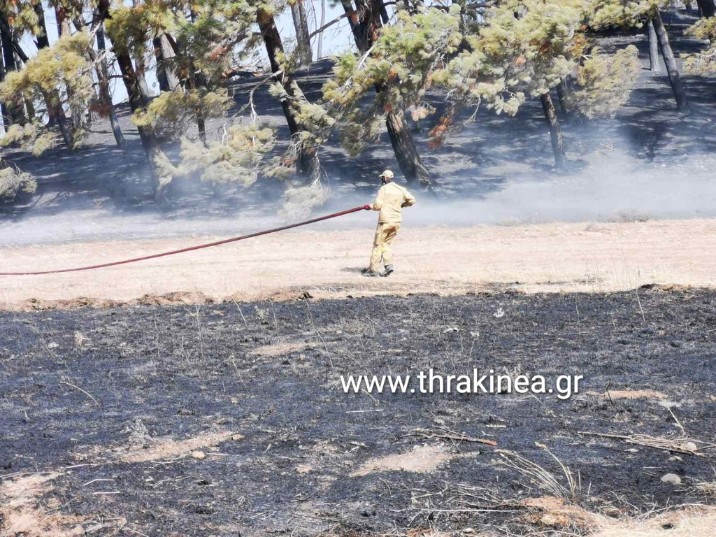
(535, 258)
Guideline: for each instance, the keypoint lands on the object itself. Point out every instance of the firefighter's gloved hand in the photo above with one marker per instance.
(367, 207)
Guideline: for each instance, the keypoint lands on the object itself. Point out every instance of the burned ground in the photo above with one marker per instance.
(230, 419)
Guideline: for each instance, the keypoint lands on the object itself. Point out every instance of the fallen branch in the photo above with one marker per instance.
(83, 391)
(675, 446)
(459, 437)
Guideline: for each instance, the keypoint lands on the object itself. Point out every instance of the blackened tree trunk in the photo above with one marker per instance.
(555, 132)
(140, 67)
(12, 42)
(562, 97)
(653, 48)
(41, 39)
(405, 152)
(136, 103)
(4, 107)
(306, 157)
(136, 99)
(303, 36)
(12, 112)
(353, 18)
(707, 8)
(196, 82)
(365, 20)
(10, 45)
(163, 52)
(104, 93)
(672, 68)
(364, 23)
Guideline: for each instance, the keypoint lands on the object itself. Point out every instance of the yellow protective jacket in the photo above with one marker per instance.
(390, 200)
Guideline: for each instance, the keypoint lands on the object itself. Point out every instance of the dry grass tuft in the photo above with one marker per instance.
(541, 477)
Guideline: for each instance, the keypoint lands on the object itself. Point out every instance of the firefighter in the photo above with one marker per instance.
(389, 202)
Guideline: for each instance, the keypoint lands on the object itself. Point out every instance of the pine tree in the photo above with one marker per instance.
(12, 112)
(303, 37)
(520, 50)
(396, 69)
(634, 14)
(63, 65)
(28, 15)
(366, 21)
(298, 111)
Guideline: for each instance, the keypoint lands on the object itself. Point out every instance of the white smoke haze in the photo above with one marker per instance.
(611, 187)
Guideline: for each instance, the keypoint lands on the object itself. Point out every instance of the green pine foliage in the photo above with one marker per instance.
(495, 55)
(13, 181)
(703, 63)
(21, 17)
(60, 77)
(524, 48)
(32, 137)
(533, 43)
(622, 13)
(400, 63)
(204, 50)
(171, 113)
(605, 81)
(238, 157)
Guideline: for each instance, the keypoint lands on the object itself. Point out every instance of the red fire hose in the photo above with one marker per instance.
(191, 248)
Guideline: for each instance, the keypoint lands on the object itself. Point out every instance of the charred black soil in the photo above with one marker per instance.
(231, 420)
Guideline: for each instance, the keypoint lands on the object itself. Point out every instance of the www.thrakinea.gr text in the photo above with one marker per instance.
(473, 382)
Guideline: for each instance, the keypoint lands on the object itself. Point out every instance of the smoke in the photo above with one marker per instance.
(611, 187)
(498, 172)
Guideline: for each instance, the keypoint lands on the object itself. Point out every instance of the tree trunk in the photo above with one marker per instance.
(42, 40)
(707, 8)
(319, 51)
(55, 113)
(201, 123)
(4, 109)
(12, 112)
(29, 106)
(354, 22)
(653, 48)
(306, 158)
(555, 132)
(364, 24)
(63, 29)
(365, 20)
(562, 95)
(163, 52)
(672, 68)
(404, 148)
(140, 67)
(136, 103)
(11, 44)
(63, 23)
(104, 93)
(303, 39)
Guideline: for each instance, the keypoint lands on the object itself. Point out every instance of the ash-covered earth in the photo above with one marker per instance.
(230, 419)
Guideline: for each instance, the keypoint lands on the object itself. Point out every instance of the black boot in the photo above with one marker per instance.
(388, 271)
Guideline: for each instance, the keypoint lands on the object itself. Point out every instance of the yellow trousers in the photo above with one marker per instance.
(384, 236)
